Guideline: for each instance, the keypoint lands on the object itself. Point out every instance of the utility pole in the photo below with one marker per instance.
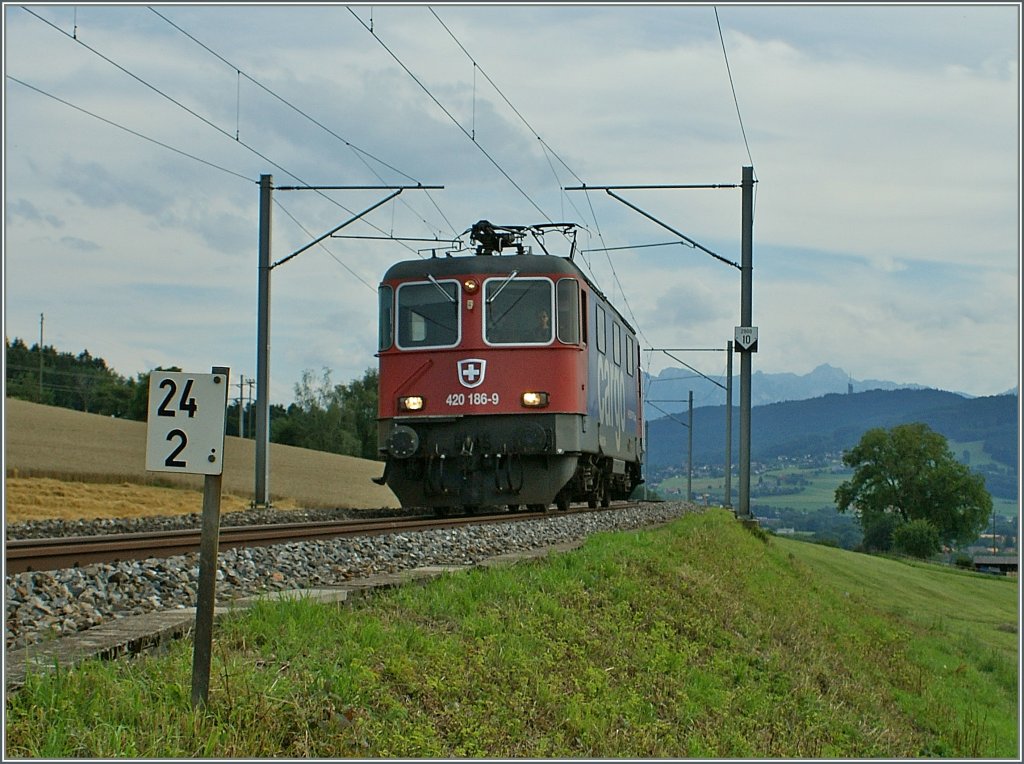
(248, 409)
(241, 405)
(689, 453)
(728, 424)
(262, 493)
(647, 451)
(261, 496)
(728, 404)
(746, 334)
(746, 320)
(40, 357)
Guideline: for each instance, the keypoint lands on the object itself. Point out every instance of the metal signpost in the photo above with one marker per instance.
(185, 434)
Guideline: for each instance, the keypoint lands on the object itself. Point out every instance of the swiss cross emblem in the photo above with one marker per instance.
(471, 371)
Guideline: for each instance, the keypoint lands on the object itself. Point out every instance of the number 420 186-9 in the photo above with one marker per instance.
(473, 399)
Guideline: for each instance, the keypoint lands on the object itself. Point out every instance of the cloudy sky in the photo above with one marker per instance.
(885, 141)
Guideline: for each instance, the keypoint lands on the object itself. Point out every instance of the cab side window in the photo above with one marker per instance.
(568, 300)
(386, 301)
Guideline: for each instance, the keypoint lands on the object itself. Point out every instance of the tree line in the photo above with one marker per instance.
(325, 416)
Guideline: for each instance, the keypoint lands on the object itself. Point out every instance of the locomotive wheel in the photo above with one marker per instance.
(515, 507)
(562, 501)
(592, 501)
(537, 507)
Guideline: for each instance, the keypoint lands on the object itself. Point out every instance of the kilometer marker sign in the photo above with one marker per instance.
(185, 431)
(746, 339)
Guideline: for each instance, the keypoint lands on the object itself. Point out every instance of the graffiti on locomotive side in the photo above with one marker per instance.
(611, 381)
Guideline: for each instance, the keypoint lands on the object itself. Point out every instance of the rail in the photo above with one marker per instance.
(24, 555)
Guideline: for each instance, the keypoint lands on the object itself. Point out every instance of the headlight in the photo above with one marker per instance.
(534, 400)
(411, 403)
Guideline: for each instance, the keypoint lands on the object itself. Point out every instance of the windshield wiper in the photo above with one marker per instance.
(443, 290)
(503, 285)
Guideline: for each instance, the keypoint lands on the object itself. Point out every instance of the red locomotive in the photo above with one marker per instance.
(506, 378)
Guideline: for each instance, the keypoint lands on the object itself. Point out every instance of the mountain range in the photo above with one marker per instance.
(669, 390)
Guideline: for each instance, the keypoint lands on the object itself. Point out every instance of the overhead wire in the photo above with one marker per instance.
(736, 101)
(311, 235)
(491, 159)
(362, 154)
(205, 120)
(129, 130)
(359, 152)
(732, 85)
(549, 152)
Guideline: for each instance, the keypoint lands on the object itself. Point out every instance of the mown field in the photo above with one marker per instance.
(67, 464)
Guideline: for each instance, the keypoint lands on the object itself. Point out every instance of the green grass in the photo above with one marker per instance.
(976, 450)
(702, 639)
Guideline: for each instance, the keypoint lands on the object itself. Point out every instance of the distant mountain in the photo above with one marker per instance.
(833, 423)
(674, 384)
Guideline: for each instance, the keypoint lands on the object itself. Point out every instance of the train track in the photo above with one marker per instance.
(25, 555)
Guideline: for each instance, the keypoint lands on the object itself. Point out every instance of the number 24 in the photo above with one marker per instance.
(185, 403)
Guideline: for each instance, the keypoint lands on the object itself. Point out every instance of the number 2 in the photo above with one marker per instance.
(170, 461)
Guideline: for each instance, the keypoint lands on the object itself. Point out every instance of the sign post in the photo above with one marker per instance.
(185, 433)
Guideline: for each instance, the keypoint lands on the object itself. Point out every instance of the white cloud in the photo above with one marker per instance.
(886, 143)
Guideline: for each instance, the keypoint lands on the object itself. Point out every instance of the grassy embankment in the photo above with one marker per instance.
(701, 639)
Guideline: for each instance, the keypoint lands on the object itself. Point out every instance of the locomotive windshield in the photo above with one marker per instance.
(428, 314)
(518, 311)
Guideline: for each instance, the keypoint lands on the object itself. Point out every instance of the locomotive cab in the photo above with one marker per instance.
(489, 392)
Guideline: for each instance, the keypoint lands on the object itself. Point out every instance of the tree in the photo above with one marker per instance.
(918, 538)
(878, 532)
(340, 419)
(909, 472)
(81, 382)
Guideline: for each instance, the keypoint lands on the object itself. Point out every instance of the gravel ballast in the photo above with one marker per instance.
(45, 604)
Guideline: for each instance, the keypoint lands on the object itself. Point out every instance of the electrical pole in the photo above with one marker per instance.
(647, 450)
(262, 492)
(746, 334)
(728, 424)
(241, 407)
(40, 357)
(689, 455)
(746, 320)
